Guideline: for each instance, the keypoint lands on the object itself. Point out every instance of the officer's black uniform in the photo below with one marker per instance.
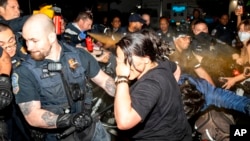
(38, 81)
(15, 24)
(17, 124)
(166, 37)
(5, 103)
(224, 33)
(217, 57)
(71, 35)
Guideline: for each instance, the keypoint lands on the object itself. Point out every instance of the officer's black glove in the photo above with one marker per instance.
(5, 91)
(80, 121)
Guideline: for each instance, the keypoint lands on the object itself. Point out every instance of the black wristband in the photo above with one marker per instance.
(121, 81)
(121, 76)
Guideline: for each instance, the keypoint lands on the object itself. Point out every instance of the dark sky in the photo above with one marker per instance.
(69, 8)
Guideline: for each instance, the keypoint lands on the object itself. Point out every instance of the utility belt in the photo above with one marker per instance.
(38, 134)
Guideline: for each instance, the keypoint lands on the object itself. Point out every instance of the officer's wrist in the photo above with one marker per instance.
(98, 55)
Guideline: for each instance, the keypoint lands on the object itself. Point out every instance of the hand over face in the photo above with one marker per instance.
(122, 67)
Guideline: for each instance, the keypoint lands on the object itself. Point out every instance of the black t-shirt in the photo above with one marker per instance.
(156, 98)
(25, 84)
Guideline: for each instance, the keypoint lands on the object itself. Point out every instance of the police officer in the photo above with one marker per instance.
(183, 56)
(10, 14)
(214, 56)
(75, 32)
(12, 45)
(51, 87)
(135, 24)
(223, 31)
(5, 92)
(165, 31)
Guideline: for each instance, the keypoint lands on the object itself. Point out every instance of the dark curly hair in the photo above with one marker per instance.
(192, 99)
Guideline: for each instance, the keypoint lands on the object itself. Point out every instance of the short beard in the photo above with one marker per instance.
(39, 57)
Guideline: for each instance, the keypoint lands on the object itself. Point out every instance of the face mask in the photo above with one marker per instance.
(244, 36)
(203, 37)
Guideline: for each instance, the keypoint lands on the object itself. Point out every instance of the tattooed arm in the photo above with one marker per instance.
(36, 116)
(106, 82)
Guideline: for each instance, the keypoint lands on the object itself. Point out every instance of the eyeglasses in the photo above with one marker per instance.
(9, 46)
(11, 43)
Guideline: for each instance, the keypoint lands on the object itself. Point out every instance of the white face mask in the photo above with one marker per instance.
(244, 36)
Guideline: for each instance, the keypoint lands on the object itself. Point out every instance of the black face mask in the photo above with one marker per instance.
(203, 37)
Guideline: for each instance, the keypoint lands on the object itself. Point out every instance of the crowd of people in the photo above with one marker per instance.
(162, 80)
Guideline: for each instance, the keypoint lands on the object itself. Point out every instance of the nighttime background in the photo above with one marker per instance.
(70, 8)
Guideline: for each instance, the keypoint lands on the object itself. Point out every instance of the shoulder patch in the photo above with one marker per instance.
(15, 86)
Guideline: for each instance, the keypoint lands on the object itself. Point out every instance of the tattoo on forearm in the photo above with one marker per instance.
(49, 118)
(110, 86)
(25, 108)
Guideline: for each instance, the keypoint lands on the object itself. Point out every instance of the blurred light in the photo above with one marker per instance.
(99, 6)
(138, 6)
(172, 21)
(178, 8)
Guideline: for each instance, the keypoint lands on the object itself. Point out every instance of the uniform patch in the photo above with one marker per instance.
(73, 64)
(15, 86)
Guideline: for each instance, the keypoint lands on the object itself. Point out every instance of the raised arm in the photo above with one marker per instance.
(106, 82)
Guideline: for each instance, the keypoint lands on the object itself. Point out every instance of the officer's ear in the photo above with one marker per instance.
(52, 37)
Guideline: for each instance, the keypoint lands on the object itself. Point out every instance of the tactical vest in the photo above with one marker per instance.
(53, 91)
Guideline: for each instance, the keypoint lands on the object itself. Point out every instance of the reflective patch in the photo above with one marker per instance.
(71, 32)
(15, 86)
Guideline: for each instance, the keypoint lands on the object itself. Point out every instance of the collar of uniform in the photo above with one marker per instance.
(64, 49)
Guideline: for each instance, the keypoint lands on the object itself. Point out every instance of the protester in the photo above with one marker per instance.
(243, 58)
(209, 96)
(153, 98)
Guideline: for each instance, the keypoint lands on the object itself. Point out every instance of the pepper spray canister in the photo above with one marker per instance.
(57, 19)
(89, 44)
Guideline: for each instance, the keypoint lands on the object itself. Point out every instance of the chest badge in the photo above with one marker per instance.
(73, 64)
